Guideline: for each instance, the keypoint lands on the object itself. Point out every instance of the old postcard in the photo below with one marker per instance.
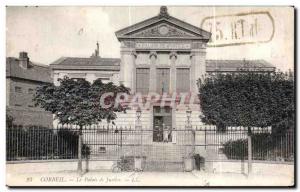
(150, 96)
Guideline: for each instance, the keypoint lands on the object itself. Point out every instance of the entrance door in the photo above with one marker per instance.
(162, 124)
(162, 154)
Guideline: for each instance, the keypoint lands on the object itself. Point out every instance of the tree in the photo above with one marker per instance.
(78, 102)
(248, 99)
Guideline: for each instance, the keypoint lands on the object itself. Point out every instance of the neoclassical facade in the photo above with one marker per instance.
(162, 44)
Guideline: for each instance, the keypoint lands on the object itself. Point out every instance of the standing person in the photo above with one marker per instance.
(165, 133)
(169, 134)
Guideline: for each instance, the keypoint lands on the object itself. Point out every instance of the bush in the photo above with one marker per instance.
(236, 149)
(265, 146)
(248, 99)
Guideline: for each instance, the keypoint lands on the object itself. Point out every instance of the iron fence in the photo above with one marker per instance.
(112, 143)
(38, 143)
(232, 144)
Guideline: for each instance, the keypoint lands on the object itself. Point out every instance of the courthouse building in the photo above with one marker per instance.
(161, 54)
(166, 56)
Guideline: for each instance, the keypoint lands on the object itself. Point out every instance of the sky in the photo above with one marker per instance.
(48, 33)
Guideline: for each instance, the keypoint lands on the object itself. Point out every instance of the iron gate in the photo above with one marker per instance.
(114, 144)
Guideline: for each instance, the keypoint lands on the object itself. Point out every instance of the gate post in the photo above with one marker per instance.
(188, 161)
(138, 159)
(79, 165)
(249, 151)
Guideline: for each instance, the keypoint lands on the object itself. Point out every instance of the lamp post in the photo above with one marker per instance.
(188, 115)
(138, 154)
(188, 161)
(138, 125)
(138, 115)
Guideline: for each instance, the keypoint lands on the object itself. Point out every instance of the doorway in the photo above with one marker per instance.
(162, 124)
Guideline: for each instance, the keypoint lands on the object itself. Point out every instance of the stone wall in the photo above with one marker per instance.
(28, 117)
(21, 107)
(23, 98)
(91, 76)
(237, 167)
(55, 166)
(258, 167)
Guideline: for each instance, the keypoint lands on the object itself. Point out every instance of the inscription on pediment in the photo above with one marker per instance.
(163, 30)
(161, 45)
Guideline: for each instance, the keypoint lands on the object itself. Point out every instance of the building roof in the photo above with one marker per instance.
(238, 65)
(87, 61)
(35, 71)
(114, 64)
(93, 62)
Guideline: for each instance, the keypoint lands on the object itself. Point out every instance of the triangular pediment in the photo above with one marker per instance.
(162, 29)
(163, 26)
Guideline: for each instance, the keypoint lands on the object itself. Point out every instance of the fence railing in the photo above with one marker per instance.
(233, 145)
(36, 143)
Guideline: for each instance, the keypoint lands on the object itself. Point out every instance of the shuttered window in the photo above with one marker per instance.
(183, 80)
(163, 80)
(142, 80)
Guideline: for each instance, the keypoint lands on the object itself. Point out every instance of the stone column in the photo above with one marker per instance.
(134, 56)
(198, 67)
(127, 67)
(173, 57)
(152, 83)
(192, 72)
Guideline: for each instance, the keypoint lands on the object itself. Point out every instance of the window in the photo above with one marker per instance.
(18, 105)
(18, 89)
(163, 58)
(104, 79)
(76, 79)
(30, 106)
(142, 80)
(99, 131)
(183, 59)
(142, 59)
(102, 150)
(163, 80)
(183, 80)
(30, 91)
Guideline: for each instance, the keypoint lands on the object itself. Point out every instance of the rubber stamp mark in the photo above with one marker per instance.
(239, 29)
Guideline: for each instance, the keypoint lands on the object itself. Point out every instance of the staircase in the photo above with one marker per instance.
(164, 157)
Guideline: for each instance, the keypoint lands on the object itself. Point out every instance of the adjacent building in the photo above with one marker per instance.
(91, 68)
(22, 78)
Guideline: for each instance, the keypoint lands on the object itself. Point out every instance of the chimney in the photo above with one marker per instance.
(23, 60)
(97, 50)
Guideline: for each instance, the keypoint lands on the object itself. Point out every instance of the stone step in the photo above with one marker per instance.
(163, 166)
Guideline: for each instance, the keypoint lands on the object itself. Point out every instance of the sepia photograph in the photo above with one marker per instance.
(149, 96)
